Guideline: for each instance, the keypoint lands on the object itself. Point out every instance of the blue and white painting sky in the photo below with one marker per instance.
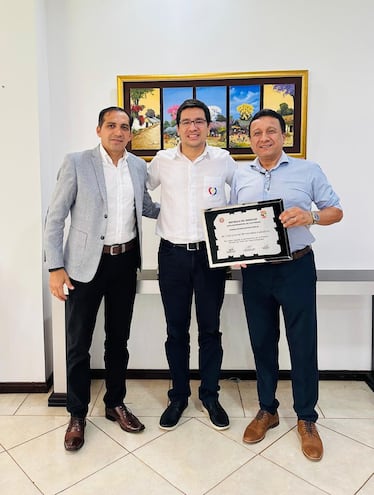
(174, 96)
(244, 94)
(214, 96)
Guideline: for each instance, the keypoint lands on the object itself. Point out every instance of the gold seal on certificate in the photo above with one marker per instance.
(246, 233)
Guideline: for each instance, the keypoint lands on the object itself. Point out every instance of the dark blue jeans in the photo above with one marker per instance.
(183, 273)
(292, 287)
(115, 281)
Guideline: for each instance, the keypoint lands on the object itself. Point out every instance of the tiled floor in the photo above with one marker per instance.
(193, 459)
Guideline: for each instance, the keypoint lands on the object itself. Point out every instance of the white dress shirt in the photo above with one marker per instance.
(187, 188)
(121, 226)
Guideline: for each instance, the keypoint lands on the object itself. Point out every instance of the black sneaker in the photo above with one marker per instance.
(172, 414)
(217, 415)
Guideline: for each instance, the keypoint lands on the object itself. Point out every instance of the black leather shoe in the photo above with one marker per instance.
(74, 436)
(125, 418)
(217, 415)
(172, 414)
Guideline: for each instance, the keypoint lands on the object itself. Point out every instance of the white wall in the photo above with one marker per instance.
(90, 42)
(23, 106)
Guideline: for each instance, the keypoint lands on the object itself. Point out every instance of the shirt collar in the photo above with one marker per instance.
(106, 158)
(284, 159)
(178, 153)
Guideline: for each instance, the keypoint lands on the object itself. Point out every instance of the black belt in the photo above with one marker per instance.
(301, 252)
(296, 255)
(115, 249)
(190, 246)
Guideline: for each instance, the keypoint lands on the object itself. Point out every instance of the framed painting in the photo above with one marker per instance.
(232, 98)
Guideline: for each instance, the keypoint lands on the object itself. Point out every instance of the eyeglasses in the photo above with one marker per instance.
(196, 122)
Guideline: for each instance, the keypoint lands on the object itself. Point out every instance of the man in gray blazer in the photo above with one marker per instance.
(103, 190)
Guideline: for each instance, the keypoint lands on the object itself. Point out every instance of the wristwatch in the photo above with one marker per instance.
(315, 217)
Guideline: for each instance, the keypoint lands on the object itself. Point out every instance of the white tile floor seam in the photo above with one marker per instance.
(193, 459)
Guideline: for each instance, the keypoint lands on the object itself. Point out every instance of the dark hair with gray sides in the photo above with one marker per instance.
(192, 103)
(112, 109)
(267, 112)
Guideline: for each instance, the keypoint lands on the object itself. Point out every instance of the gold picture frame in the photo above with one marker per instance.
(233, 98)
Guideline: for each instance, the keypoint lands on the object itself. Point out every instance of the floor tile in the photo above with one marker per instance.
(229, 397)
(126, 476)
(361, 430)
(248, 396)
(147, 397)
(346, 399)
(238, 425)
(131, 441)
(261, 477)
(15, 430)
(9, 403)
(143, 397)
(52, 468)
(368, 488)
(248, 391)
(194, 457)
(13, 480)
(96, 388)
(37, 404)
(334, 473)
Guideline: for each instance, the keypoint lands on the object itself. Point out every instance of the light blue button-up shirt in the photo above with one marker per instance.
(297, 182)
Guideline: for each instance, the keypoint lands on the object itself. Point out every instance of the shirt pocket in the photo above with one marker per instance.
(214, 191)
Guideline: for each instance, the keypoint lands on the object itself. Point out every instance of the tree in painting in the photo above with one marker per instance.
(136, 94)
(285, 89)
(245, 110)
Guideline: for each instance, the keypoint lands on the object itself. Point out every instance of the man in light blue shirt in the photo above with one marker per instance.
(289, 285)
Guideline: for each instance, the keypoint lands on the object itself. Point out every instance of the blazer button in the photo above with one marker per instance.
(105, 216)
(102, 237)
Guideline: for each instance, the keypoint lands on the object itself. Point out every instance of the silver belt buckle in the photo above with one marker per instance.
(114, 246)
(195, 248)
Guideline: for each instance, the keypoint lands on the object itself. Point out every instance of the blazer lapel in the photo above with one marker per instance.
(99, 172)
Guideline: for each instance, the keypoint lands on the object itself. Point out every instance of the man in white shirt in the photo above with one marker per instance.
(192, 177)
(103, 190)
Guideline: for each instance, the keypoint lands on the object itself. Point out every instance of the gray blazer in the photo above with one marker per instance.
(81, 191)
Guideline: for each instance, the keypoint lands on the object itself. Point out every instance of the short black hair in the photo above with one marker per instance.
(193, 103)
(267, 112)
(104, 111)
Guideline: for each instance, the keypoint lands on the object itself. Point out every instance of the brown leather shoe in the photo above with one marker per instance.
(74, 436)
(311, 443)
(255, 431)
(125, 418)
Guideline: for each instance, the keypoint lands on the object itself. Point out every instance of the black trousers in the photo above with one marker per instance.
(115, 281)
(183, 273)
(292, 287)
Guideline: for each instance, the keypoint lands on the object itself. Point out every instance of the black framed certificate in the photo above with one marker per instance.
(246, 233)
